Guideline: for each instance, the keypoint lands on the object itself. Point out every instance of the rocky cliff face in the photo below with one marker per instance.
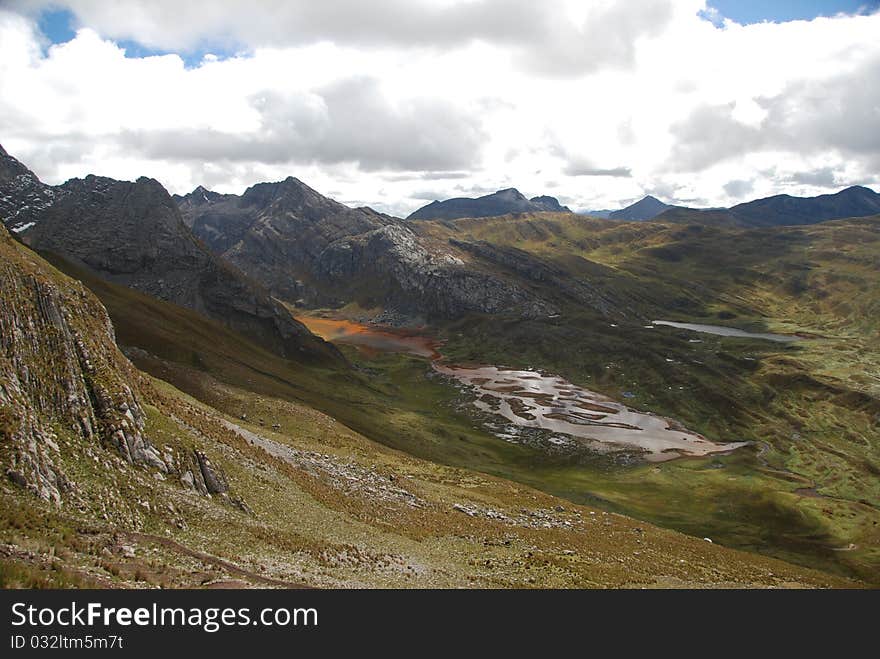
(533, 269)
(60, 374)
(133, 234)
(433, 282)
(276, 232)
(67, 392)
(304, 246)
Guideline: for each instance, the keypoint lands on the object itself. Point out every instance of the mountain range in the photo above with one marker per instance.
(778, 210)
(237, 258)
(785, 210)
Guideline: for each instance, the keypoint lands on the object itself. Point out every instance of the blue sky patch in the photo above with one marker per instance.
(59, 26)
(780, 11)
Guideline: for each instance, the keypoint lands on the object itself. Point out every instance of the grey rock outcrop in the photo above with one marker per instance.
(60, 374)
(214, 479)
(434, 282)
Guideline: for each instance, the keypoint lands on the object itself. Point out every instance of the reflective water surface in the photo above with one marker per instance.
(727, 331)
(533, 400)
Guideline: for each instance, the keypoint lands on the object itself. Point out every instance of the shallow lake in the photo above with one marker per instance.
(372, 338)
(533, 400)
(720, 330)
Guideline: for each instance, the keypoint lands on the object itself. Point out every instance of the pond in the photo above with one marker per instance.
(720, 330)
(533, 400)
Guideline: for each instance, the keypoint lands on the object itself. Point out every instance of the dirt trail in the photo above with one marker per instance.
(213, 560)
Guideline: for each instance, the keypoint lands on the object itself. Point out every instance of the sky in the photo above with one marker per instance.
(395, 103)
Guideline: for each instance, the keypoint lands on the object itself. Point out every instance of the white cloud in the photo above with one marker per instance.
(554, 36)
(389, 101)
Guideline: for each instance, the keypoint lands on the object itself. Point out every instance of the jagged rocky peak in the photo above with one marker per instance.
(23, 197)
(307, 248)
(291, 195)
(275, 231)
(61, 376)
(118, 228)
(201, 195)
(199, 200)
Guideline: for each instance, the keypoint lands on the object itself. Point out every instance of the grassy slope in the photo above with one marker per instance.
(341, 511)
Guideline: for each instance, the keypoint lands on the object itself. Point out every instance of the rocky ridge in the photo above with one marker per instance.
(308, 248)
(132, 233)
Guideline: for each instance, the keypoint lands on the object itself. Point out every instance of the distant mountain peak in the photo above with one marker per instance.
(550, 204)
(511, 193)
(858, 189)
(645, 209)
(501, 202)
(200, 195)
